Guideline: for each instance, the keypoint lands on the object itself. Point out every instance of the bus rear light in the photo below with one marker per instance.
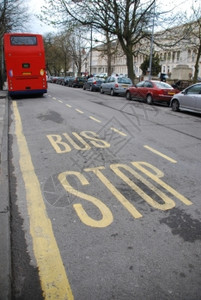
(42, 72)
(10, 72)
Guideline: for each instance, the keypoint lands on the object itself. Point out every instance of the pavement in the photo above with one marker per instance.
(5, 243)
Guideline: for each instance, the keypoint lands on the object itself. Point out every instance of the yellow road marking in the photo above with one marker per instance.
(60, 101)
(54, 281)
(54, 98)
(160, 154)
(133, 211)
(94, 119)
(68, 105)
(156, 178)
(80, 111)
(118, 131)
(107, 217)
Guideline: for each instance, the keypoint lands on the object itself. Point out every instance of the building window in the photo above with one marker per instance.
(193, 56)
(189, 55)
(173, 56)
(178, 55)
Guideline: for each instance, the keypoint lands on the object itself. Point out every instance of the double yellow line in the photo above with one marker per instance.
(53, 278)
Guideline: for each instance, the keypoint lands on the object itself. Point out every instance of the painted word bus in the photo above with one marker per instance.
(25, 63)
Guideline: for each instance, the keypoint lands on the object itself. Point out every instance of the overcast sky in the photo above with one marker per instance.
(37, 26)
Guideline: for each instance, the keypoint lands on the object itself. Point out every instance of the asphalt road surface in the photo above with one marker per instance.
(106, 198)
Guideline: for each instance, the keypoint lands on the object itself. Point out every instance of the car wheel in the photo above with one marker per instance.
(112, 93)
(128, 95)
(149, 99)
(91, 88)
(84, 88)
(101, 90)
(175, 105)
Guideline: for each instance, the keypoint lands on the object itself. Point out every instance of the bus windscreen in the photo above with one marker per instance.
(23, 40)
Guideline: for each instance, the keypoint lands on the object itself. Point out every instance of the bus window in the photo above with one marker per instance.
(23, 40)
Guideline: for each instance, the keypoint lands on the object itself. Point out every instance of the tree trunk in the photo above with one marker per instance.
(127, 49)
(129, 62)
(109, 54)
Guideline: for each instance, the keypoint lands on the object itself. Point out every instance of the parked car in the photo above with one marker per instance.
(54, 79)
(76, 81)
(59, 80)
(65, 80)
(151, 91)
(115, 85)
(93, 84)
(163, 76)
(189, 99)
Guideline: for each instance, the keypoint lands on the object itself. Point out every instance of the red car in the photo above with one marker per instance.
(151, 91)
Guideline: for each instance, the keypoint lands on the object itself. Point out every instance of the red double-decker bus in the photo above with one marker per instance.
(25, 63)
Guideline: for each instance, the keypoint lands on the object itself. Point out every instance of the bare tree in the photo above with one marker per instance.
(12, 16)
(108, 47)
(65, 50)
(78, 42)
(194, 37)
(128, 20)
(55, 61)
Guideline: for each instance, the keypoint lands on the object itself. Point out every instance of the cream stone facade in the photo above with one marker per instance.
(171, 58)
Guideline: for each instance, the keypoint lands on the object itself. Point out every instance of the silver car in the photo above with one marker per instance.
(115, 85)
(189, 99)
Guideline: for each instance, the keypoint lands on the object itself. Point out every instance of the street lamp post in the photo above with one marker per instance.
(91, 54)
(152, 42)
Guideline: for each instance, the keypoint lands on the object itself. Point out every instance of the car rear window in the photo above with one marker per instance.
(124, 80)
(163, 85)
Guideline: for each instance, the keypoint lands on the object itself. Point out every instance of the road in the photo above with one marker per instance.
(105, 197)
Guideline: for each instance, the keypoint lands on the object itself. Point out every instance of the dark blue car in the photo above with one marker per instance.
(93, 84)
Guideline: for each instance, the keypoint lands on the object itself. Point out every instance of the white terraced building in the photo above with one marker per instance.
(182, 54)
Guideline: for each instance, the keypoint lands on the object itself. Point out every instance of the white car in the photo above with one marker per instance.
(189, 99)
(115, 85)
